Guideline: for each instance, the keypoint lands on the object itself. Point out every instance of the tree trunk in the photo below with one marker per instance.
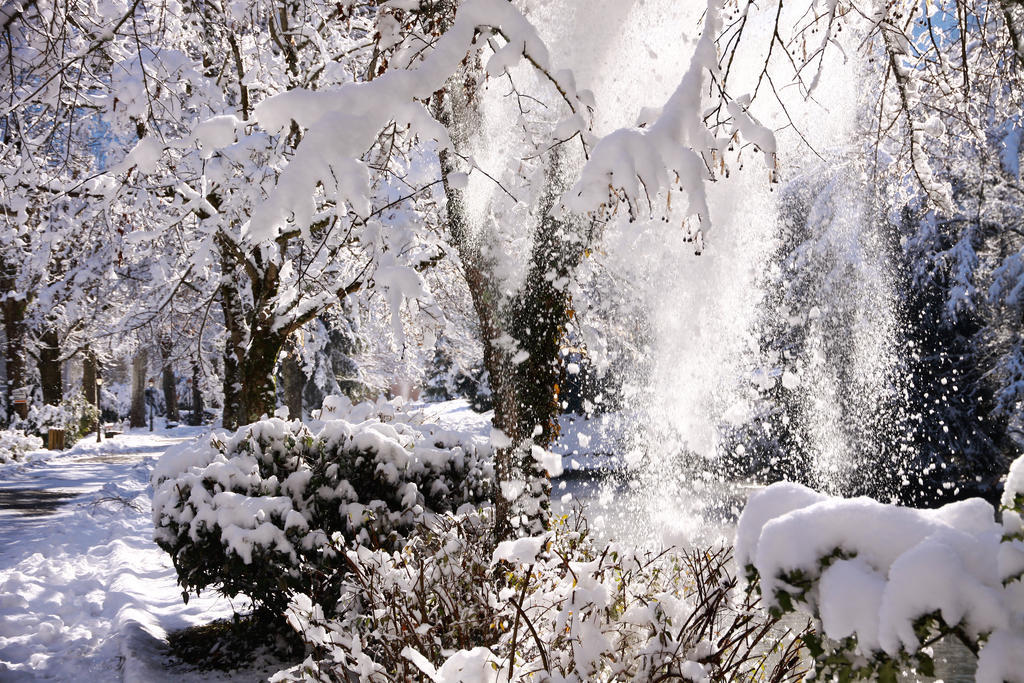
(196, 417)
(91, 384)
(14, 351)
(455, 112)
(253, 340)
(518, 510)
(537, 319)
(232, 415)
(89, 373)
(526, 400)
(293, 381)
(234, 344)
(137, 416)
(257, 376)
(542, 311)
(50, 376)
(169, 382)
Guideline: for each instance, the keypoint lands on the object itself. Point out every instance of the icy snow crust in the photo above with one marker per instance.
(869, 570)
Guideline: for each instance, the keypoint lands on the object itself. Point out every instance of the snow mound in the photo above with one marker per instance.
(880, 578)
(16, 445)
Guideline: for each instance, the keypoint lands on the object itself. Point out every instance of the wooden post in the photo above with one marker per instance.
(56, 440)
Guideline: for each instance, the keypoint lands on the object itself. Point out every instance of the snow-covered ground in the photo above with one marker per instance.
(85, 594)
(84, 591)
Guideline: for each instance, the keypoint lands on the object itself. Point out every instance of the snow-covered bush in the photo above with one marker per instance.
(341, 407)
(886, 582)
(74, 415)
(14, 444)
(271, 510)
(451, 607)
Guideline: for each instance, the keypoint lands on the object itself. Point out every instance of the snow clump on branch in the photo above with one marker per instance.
(343, 122)
(636, 165)
(886, 581)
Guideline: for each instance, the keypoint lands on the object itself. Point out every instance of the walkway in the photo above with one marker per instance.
(84, 592)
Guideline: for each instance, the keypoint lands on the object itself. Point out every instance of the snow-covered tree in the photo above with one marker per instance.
(55, 59)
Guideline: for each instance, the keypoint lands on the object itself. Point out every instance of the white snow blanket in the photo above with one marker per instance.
(85, 594)
(870, 570)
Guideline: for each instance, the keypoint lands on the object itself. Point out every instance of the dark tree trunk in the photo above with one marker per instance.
(537, 319)
(255, 324)
(526, 401)
(235, 342)
(454, 112)
(89, 373)
(90, 385)
(14, 350)
(254, 340)
(540, 314)
(137, 416)
(196, 417)
(50, 375)
(250, 390)
(232, 415)
(293, 381)
(169, 382)
(257, 376)
(526, 393)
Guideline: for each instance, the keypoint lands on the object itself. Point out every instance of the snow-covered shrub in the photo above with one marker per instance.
(886, 582)
(14, 444)
(271, 510)
(436, 593)
(341, 407)
(449, 607)
(74, 415)
(85, 416)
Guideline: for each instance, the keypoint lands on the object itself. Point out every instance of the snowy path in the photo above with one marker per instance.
(84, 591)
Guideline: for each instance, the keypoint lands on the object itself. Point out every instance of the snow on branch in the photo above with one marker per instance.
(343, 123)
(636, 164)
(897, 48)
